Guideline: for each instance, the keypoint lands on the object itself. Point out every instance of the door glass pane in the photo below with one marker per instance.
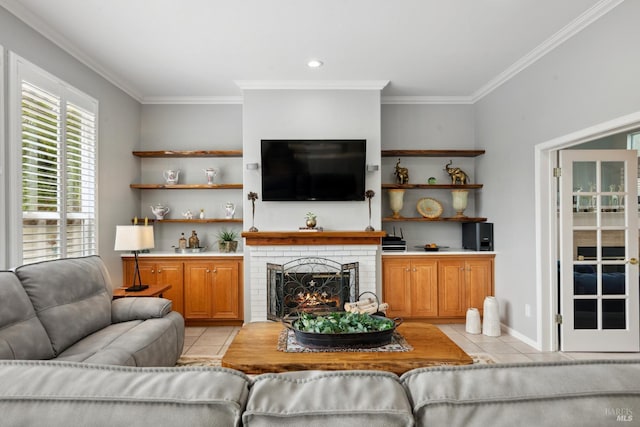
(613, 245)
(584, 245)
(613, 314)
(584, 179)
(613, 280)
(585, 315)
(612, 174)
(584, 280)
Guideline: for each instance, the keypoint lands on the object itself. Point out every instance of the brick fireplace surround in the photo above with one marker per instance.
(282, 247)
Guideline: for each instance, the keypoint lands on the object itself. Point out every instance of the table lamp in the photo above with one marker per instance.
(134, 238)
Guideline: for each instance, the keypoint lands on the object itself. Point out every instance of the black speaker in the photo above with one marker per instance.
(477, 236)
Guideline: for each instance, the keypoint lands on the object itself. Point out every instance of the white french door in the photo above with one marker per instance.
(599, 250)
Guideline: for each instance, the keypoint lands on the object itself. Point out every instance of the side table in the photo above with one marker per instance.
(151, 291)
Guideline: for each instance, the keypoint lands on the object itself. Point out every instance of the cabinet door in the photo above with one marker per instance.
(170, 273)
(479, 281)
(424, 288)
(197, 290)
(225, 295)
(452, 298)
(396, 286)
(147, 272)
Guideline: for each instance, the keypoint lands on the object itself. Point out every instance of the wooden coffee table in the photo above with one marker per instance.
(254, 351)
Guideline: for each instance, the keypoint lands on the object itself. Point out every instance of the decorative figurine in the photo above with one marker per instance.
(310, 220)
(402, 174)
(457, 175)
(201, 213)
(188, 214)
(229, 210)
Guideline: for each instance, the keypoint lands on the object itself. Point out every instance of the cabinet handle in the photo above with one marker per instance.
(208, 271)
(152, 271)
(408, 269)
(414, 269)
(159, 271)
(215, 270)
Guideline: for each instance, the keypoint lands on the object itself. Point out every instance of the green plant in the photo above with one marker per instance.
(227, 235)
(310, 215)
(342, 322)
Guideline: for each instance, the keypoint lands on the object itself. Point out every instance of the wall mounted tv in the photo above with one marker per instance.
(324, 170)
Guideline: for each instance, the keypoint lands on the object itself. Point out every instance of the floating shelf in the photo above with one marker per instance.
(196, 153)
(434, 186)
(202, 221)
(186, 186)
(440, 219)
(432, 153)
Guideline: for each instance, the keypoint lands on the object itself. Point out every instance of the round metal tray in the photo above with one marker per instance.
(190, 250)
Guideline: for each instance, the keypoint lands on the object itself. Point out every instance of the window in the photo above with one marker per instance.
(58, 136)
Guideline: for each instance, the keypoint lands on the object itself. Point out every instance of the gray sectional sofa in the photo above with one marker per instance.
(63, 310)
(69, 394)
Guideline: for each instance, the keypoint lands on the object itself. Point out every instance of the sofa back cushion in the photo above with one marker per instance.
(327, 398)
(71, 297)
(22, 336)
(64, 394)
(592, 393)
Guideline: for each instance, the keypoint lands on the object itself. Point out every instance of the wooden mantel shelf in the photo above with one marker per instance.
(271, 238)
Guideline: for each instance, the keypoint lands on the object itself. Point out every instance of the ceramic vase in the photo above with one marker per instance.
(491, 317)
(460, 202)
(473, 321)
(396, 200)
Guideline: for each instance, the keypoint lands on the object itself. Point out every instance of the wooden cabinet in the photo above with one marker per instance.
(439, 287)
(410, 286)
(205, 290)
(159, 272)
(212, 289)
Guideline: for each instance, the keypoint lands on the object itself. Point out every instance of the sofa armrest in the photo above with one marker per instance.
(139, 308)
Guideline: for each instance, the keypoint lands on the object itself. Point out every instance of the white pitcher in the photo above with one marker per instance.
(171, 175)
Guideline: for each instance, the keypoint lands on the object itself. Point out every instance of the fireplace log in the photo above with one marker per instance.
(349, 306)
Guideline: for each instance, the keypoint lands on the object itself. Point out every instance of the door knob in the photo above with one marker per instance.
(633, 261)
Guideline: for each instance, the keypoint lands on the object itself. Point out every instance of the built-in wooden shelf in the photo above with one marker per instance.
(271, 238)
(202, 221)
(186, 186)
(440, 219)
(434, 186)
(193, 153)
(432, 153)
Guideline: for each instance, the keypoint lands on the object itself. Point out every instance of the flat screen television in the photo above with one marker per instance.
(302, 170)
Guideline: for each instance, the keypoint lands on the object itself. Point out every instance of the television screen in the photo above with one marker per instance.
(326, 170)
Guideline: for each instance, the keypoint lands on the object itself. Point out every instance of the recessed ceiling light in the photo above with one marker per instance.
(314, 63)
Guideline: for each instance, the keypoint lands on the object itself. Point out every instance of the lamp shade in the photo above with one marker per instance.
(134, 237)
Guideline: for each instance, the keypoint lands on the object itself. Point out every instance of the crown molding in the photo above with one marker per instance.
(193, 100)
(587, 18)
(53, 36)
(311, 84)
(428, 100)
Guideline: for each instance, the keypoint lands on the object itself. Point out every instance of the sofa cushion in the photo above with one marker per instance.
(22, 336)
(592, 393)
(57, 394)
(336, 398)
(71, 297)
(153, 342)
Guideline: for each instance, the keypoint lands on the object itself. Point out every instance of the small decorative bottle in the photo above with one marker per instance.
(201, 213)
(194, 242)
(182, 242)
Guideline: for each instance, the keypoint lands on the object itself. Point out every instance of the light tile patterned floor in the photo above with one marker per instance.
(214, 341)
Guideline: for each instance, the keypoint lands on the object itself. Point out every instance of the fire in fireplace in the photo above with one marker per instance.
(310, 285)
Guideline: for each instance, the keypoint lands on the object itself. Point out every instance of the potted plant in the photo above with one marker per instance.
(227, 240)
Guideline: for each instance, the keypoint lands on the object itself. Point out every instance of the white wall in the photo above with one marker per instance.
(311, 114)
(118, 127)
(590, 79)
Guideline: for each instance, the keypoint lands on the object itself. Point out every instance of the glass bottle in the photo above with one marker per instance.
(194, 242)
(182, 242)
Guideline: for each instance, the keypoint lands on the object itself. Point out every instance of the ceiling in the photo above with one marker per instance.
(428, 50)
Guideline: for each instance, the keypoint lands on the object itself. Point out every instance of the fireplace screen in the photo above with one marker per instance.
(313, 285)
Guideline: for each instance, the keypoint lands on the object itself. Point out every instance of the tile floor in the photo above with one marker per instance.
(214, 341)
